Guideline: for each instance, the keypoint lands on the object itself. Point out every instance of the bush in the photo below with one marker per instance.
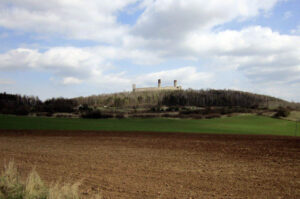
(212, 115)
(143, 116)
(96, 114)
(35, 187)
(22, 110)
(173, 109)
(189, 112)
(196, 116)
(10, 184)
(84, 108)
(120, 115)
(260, 113)
(167, 115)
(11, 187)
(282, 112)
(59, 105)
(157, 108)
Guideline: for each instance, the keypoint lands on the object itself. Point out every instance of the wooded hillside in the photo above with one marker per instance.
(200, 98)
(222, 101)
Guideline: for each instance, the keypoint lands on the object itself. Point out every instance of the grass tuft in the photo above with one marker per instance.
(66, 191)
(10, 184)
(11, 187)
(35, 188)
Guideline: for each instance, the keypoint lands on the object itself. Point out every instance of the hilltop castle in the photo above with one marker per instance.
(158, 88)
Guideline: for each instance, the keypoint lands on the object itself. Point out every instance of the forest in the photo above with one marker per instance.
(185, 102)
(23, 105)
(198, 98)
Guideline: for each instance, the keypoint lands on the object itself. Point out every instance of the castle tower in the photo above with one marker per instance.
(133, 87)
(159, 83)
(175, 83)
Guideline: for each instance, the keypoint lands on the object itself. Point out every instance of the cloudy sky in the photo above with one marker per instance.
(75, 48)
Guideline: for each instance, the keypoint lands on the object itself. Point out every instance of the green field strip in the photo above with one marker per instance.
(246, 124)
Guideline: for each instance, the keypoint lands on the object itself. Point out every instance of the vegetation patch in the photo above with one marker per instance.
(182, 103)
(12, 187)
(282, 112)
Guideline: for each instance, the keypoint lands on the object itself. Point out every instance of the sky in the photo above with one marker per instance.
(71, 48)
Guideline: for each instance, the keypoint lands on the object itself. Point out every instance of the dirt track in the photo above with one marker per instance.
(160, 165)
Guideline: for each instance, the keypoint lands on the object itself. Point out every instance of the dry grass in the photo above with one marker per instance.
(10, 184)
(293, 116)
(12, 187)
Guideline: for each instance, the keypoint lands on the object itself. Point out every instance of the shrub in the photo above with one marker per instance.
(59, 105)
(173, 109)
(188, 112)
(22, 110)
(137, 115)
(207, 110)
(260, 113)
(120, 115)
(11, 187)
(84, 108)
(35, 187)
(10, 184)
(96, 114)
(212, 115)
(167, 115)
(66, 191)
(282, 112)
(196, 116)
(157, 108)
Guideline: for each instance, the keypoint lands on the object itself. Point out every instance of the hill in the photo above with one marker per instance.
(198, 98)
(180, 103)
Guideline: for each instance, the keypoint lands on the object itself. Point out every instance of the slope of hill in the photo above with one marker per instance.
(199, 98)
(181, 103)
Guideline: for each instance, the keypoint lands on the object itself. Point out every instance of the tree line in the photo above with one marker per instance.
(199, 98)
(23, 105)
(228, 100)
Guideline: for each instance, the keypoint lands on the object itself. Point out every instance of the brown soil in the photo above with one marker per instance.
(160, 165)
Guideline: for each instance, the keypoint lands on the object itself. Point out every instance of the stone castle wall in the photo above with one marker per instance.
(156, 89)
(175, 87)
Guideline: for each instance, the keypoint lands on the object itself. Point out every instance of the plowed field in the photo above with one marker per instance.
(160, 165)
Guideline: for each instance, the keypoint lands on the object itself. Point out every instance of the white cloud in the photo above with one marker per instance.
(91, 65)
(97, 20)
(71, 65)
(79, 19)
(296, 30)
(63, 61)
(258, 52)
(71, 80)
(175, 19)
(187, 76)
(181, 29)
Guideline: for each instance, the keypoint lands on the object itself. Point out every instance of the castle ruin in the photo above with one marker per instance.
(158, 88)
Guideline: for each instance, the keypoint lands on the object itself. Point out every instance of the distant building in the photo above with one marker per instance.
(158, 88)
